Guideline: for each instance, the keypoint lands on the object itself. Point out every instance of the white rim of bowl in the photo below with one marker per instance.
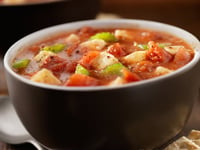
(115, 23)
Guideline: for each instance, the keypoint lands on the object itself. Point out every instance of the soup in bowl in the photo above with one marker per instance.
(104, 84)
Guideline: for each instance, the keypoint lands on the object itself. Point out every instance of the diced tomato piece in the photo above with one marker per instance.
(82, 80)
(143, 66)
(71, 66)
(117, 50)
(55, 64)
(34, 49)
(86, 32)
(71, 49)
(130, 76)
(182, 57)
(157, 54)
(87, 59)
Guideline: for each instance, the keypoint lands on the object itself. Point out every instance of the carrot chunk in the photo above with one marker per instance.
(81, 80)
(129, 76)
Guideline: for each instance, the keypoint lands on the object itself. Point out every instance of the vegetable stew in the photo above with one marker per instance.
(95, 57)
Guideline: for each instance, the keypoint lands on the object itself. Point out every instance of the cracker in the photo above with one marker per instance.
(183, 143)
(194, 135)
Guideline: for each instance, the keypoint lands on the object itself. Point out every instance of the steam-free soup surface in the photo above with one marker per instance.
(95, 57)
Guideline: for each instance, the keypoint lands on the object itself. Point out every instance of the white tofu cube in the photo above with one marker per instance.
(135, 57)
(96, 44)
(42, 56)
(162, 70)
(45, 76)
(103, 60)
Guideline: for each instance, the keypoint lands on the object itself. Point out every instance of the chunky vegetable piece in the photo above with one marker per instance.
(106, 36)
(114, 69)
(54, 48)
(103, 60)
(81, 70)
(22, 63)
(81, 80)
(95, 44)
(97, 57)
(45, 76)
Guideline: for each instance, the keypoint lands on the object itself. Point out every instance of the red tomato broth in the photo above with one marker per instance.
(63, 64)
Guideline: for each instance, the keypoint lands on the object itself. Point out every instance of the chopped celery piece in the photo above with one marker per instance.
(22, 63)
(81, 70)
(143, 46)
(106, 36)
(162, 45)
(114, 69)
(54, 48)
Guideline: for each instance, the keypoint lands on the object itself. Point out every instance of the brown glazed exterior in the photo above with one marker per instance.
(20, 20)
(143, 115)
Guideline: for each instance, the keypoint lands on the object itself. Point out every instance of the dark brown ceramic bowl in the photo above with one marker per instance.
(142, 115)
(21, 19)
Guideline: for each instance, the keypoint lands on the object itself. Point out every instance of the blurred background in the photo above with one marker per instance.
(182, 13)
